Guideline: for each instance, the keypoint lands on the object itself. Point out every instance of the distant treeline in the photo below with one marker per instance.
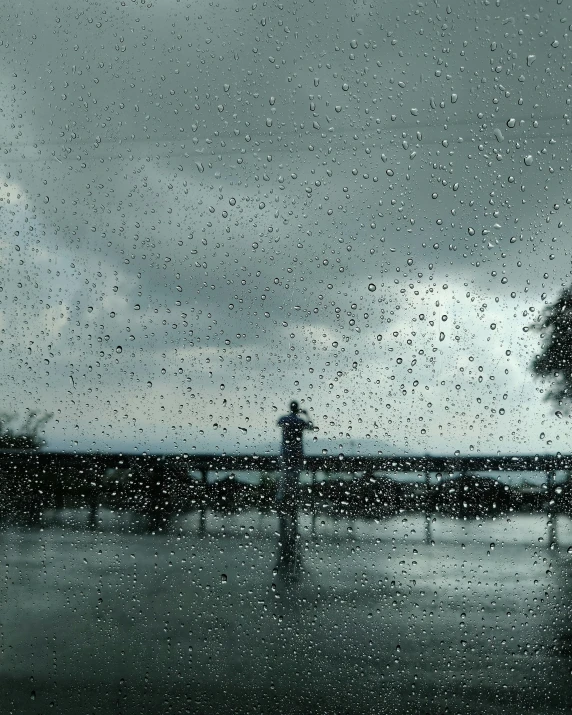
(171, 490)
(379, 495)
(160, 490)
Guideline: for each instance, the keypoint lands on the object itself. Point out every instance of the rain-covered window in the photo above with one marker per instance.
(285, 348)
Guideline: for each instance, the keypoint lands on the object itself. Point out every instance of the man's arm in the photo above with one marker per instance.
(309, 423)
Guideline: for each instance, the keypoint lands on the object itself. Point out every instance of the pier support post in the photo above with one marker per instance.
(427, 506)
(551, 533)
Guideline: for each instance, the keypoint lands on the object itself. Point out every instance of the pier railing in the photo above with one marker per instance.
(160, 486)
(43, 461)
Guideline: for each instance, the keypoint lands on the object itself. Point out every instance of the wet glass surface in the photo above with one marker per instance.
(285, 338)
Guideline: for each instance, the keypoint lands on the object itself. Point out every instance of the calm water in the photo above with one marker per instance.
(197, 620)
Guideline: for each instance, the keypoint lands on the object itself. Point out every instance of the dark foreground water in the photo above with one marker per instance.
(378, 621)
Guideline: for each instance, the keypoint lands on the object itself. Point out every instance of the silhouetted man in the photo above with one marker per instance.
(292, 453)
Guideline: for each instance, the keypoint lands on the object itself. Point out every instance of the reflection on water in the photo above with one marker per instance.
(289, 561)
(199, 619)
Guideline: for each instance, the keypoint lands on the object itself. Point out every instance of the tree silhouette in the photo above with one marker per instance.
(555, 358)
(24, 437)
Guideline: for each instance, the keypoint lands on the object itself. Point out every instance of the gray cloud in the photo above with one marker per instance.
(198, 196)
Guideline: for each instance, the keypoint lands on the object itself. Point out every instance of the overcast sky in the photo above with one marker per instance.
(207, 209)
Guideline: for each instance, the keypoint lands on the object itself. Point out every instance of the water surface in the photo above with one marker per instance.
(198, 620)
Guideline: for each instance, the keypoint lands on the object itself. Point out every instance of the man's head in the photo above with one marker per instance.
(294, 407)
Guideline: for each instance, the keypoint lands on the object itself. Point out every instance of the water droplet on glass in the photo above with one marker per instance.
(372, 287)
(528, 160)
